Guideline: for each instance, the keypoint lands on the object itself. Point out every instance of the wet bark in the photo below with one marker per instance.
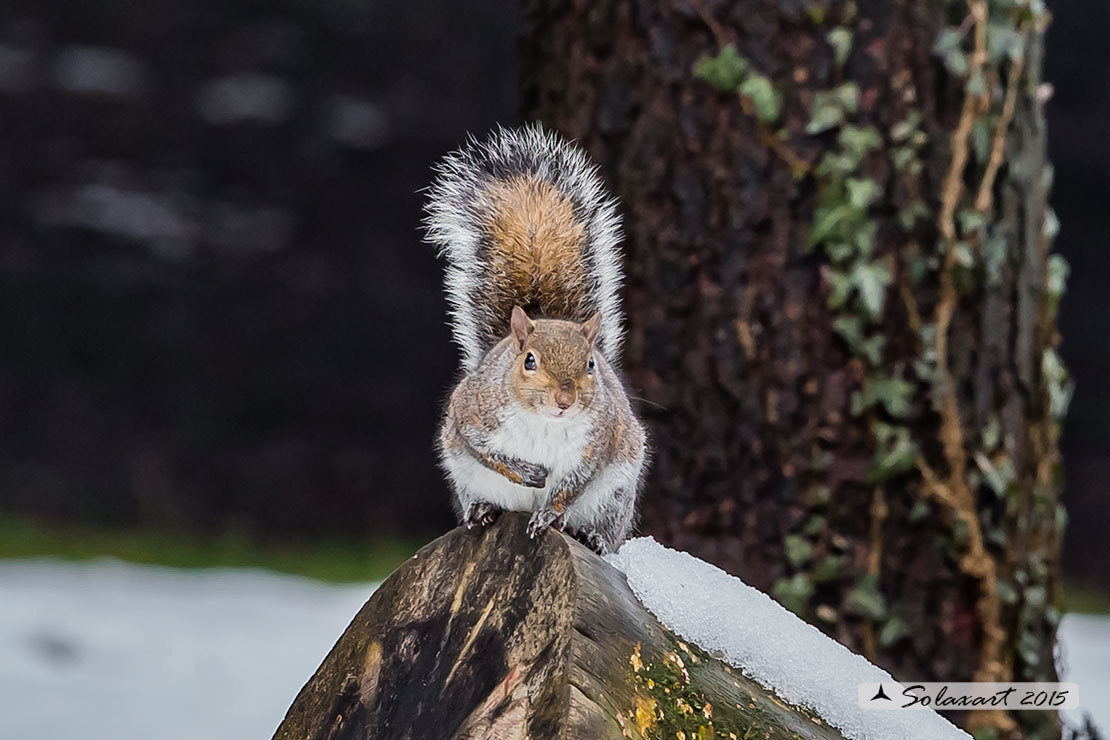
(894, 482)
(491, 634)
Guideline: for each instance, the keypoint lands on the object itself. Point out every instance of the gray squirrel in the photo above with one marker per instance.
(540, 421)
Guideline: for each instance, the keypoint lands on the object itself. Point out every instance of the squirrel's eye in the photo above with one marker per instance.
(590, 365)
(530, 362)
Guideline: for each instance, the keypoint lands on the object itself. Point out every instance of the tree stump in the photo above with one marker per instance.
(490, 634)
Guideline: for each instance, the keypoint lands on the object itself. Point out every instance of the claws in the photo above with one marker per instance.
(592, 539)
(481, 513)
(543, 519)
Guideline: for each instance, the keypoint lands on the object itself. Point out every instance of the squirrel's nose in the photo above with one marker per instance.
(564, 398)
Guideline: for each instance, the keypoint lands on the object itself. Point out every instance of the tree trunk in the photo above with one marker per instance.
(841, 306)
(491, 635)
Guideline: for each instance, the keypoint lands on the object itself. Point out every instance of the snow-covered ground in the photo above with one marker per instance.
(1085, 659)
(111, 651)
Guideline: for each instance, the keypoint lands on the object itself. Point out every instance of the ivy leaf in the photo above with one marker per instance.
(847, 96)
(998, 474)
(864, 238)
(798, 550)
(725, 71)
(948, 40)
(1048, 176)
(948, 47)
(865, 600)
(793, 593)
(893, 394)
(862, 192)
(956, 63)
(840, 39)
(840, 287)
(1060, 521)
(826, 219)
(840, 252)
(970, 220)
(896, 454)
(872, 348)
(871, 281)
(977, 85)
(766, 99)
(850, 328)
(1029, 647)
(1007, 594)
(894, 630)
(1004, 41)
(859, 140)
(817, 495)
(829, 569)
(830, 107)
(905, 128)
(991, 434)
(902, 157)
(981, 139)
(1051, 224)
(824, 118)
(1057, 382)
(964, 256)
(836, 164)
(910, 215)
(1058, 270)
(814, 526)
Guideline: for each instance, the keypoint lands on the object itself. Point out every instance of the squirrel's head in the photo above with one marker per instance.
(554, 366)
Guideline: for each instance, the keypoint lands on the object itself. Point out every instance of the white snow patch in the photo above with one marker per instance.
(110, 651)
(1085, 660)
(726, 617)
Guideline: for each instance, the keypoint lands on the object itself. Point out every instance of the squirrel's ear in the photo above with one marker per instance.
(591, 327)
(521, 326)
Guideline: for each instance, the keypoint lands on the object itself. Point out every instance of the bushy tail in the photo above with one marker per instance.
(524, 219)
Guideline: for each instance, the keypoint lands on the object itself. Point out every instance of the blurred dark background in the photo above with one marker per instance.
(215, 308)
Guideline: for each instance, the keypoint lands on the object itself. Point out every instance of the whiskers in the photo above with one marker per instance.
(649, 402)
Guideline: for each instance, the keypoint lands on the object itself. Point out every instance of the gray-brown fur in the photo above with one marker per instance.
(501, 392)
(523, 220)
(540, 421)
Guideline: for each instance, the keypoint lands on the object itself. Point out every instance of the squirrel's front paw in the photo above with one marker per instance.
(481, 513)
(543, 519)
(533, 476)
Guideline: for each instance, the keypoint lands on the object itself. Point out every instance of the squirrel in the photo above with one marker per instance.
(540, 421)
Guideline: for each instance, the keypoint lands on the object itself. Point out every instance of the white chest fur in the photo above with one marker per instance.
(557, 445)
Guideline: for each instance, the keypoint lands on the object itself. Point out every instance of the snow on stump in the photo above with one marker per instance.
(489, 634)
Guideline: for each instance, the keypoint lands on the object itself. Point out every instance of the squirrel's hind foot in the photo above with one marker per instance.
(481, 514)
(591, 539)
